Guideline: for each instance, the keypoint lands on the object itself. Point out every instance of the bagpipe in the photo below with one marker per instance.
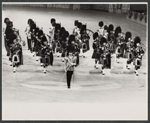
(19, 39)
(16, 32)
(120, 42)
(130, 54)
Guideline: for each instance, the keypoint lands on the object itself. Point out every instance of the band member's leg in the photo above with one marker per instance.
(28, 43)
(69, 76)
(51, 59)
(41, 62)
(14, 68)
(44, 67)
(108, 61)
(137, 66)
(6, 46)
(95, 66)
(103, 66)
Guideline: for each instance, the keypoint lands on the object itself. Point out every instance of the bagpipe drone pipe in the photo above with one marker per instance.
(16, 31)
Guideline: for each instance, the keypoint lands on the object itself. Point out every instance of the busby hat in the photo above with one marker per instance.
(33, 26)
(118, 29)
(101, 23)
(103, 40)
(6, 20)
(40, 32)
(66, 33)
(127, 36)
(111, 27)
(62, 31)
(83, 28)
(79, 25)
(95, 35)
(53, 20)
(105, 27)
(30, 21)
(71, 38)
(57, 26)
(37, 30)
(76, 22)
(137, 39)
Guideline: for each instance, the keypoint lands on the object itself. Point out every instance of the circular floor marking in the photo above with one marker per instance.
(46, 85)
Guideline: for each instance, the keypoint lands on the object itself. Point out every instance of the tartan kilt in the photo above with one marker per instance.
(95, 55)
(106, 62)
(46, 60)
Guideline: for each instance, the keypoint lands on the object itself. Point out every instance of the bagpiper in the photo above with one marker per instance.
(120, 46)
(33, 41)
(8, 31)
(105, 55)
(64, 42)
(45, 55)
(52, 32)
(57, 39)
(96, 49)
(129, 51)
(75, 28)
(101, 29)
(28, 33)
(138, 53)
(16, 52)
(85, 40)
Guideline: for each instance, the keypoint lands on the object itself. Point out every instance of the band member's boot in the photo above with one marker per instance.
(14, 67)
(127, 66)
(83, 55)
(103, 73)
(117, 60)
(44, 69)
(136, 72)
(62, 59)
(10, 63)
(34, 54)
(51, 59)
(41, 62)
(95, 64)
(37, 58)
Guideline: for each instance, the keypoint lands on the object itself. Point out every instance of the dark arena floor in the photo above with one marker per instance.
(90, 90)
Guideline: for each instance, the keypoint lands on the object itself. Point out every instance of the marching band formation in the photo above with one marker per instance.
(106, 42)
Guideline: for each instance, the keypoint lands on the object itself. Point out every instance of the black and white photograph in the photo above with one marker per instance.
(74, 61)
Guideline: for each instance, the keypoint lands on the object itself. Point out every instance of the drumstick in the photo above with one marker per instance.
(62, 77)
